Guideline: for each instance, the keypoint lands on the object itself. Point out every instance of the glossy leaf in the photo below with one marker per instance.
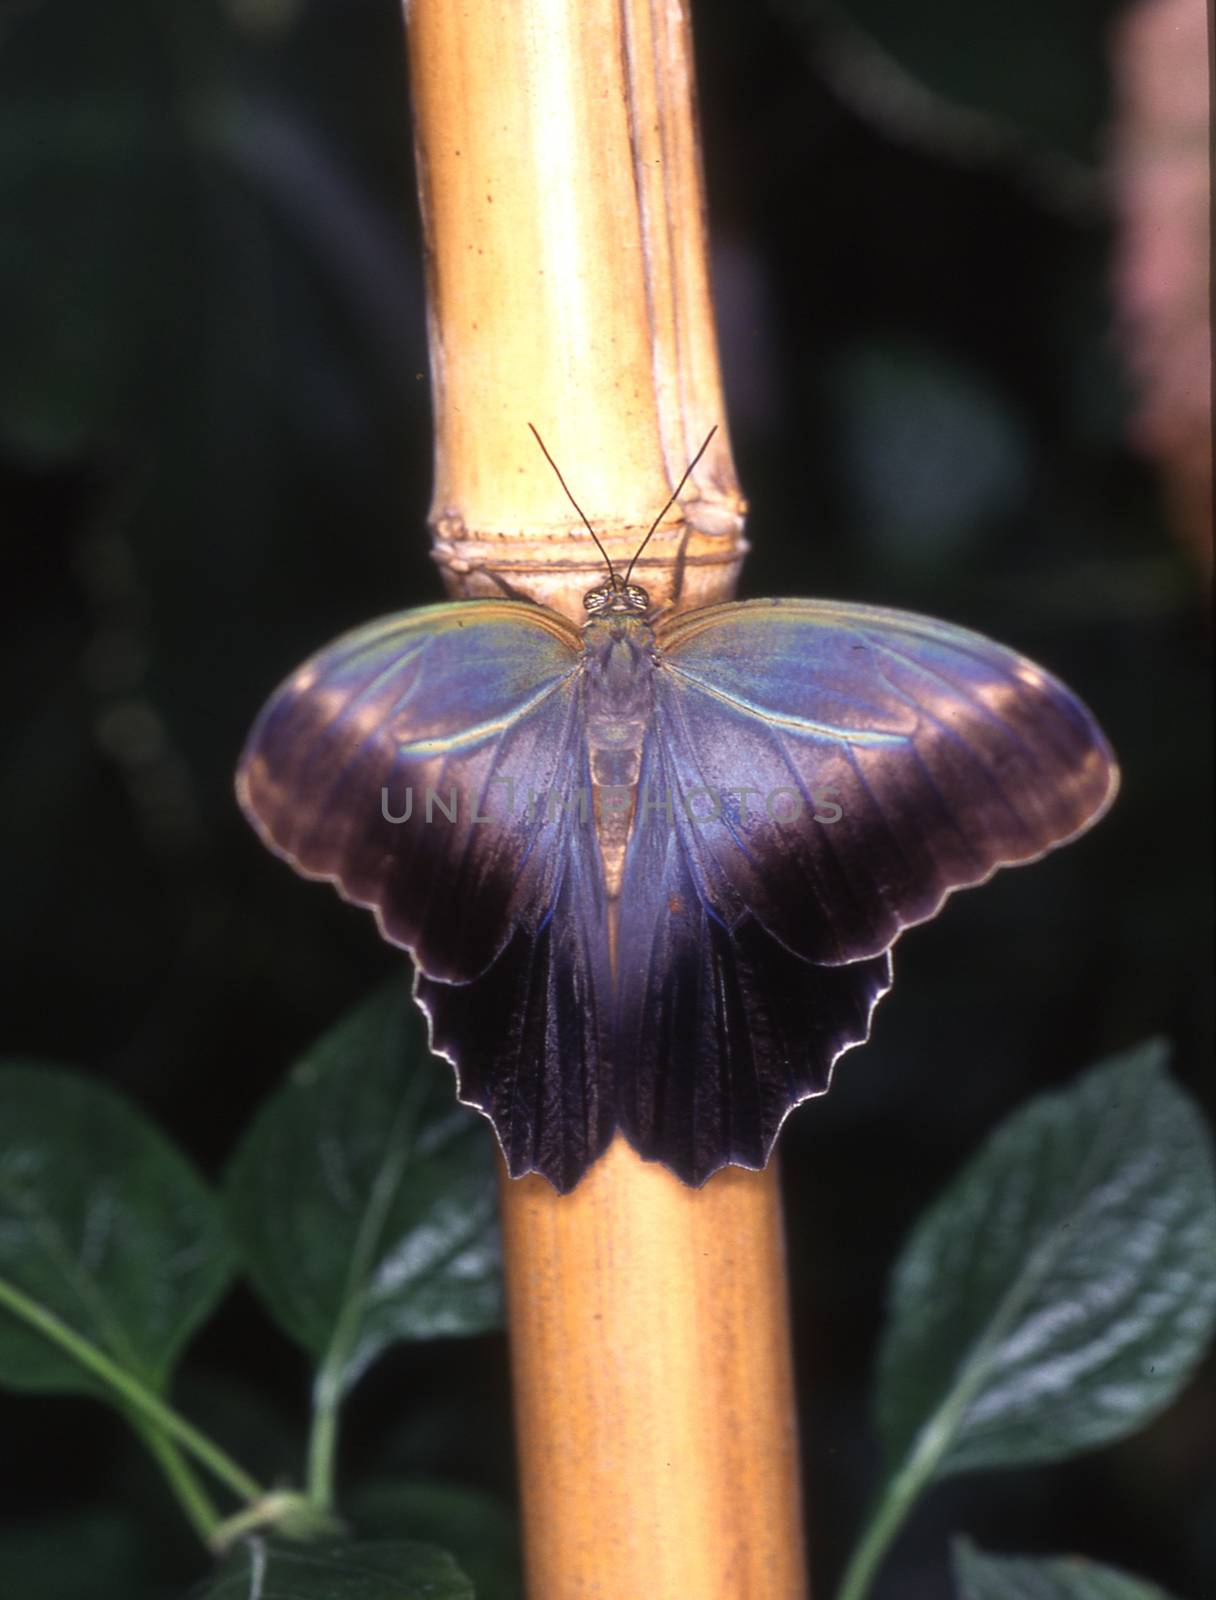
(478, 1529)
(259, 1569)
(363, 1196)
(1062, 1290)
(986, 1577)
(104, 1225)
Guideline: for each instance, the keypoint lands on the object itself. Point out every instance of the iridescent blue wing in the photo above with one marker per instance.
(931, 756)
(818, 777)
(465, 722)
(530, 1034)
(720, 1029)
(454, 714)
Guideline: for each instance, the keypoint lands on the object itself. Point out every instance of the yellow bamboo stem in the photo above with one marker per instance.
(568, 287)
(657, 1445)
(562, 203)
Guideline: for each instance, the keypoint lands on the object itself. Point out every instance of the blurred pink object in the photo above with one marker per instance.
(1162, 143)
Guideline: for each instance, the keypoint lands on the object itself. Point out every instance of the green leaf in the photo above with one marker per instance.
(89, 1555)
(104, 1226)
(478, 1529)
(984, 1577)
(1062, 1290)
(259, 1569)
(363, 1196)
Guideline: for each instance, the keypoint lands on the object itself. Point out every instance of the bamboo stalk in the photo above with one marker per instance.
(657, 1444)
(559, 175)
(568, 287)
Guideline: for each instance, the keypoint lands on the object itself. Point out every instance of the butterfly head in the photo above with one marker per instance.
(615, 597)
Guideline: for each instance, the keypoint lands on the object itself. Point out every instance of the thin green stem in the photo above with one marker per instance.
(191, 1496)
(917, 1472)
(292, 1515)
(135, 1394)
(898, 1498)
(323, 1438)
(939, 1433)
(330, 1385)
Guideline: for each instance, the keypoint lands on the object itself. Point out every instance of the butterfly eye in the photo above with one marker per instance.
(618, 597)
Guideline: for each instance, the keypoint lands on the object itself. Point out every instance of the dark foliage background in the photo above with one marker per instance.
(214, 455)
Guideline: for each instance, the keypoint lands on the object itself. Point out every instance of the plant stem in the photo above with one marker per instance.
(323, 1439)
(937, 1435)
(898, 1498)
(330, 1385)
(291, 1515)
(135, 1394)
(935, 1438)
(191, 1496)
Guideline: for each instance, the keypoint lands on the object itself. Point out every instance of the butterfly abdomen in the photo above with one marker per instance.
(619, 688)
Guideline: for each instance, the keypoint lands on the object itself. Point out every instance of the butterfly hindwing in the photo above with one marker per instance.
(528, 1036)
(720, 1029)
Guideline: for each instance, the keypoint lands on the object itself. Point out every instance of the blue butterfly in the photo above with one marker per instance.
(650, 871)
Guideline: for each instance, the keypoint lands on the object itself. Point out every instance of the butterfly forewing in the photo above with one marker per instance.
(857, 764)
(409, 764)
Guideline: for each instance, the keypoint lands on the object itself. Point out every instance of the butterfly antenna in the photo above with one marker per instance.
(575, 504)
(671, 502)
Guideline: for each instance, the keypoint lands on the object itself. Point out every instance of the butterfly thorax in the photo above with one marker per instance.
(619, 663)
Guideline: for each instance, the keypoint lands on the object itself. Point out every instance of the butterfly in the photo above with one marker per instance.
(650, 870)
